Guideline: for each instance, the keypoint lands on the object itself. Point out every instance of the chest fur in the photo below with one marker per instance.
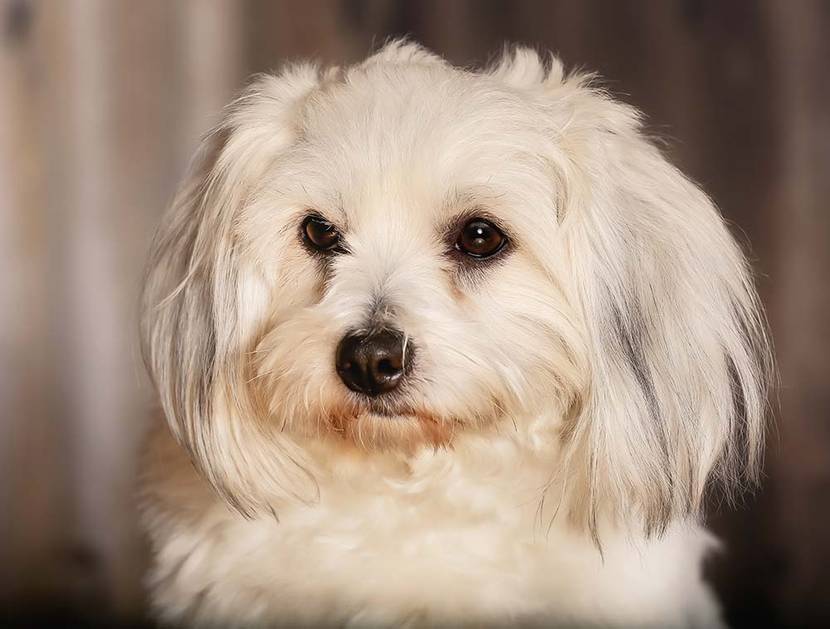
(443, 541)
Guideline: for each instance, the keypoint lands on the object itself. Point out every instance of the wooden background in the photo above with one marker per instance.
(101, 104)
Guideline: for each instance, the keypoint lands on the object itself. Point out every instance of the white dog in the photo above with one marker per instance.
(443, 347)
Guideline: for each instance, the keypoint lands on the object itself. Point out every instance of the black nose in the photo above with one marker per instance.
(371, 363)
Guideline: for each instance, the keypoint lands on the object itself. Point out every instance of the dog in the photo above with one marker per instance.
(443, 347)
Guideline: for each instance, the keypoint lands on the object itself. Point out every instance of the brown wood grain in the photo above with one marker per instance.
(101, 104)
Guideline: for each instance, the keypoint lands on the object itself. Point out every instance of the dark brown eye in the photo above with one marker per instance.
(480, 239)
(319, 234)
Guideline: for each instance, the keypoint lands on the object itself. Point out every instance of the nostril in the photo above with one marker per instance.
(388, 368)
(354, 371)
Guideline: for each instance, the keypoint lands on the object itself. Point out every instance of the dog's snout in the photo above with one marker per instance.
(371, 363)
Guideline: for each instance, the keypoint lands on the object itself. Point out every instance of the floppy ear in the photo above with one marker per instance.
(202, 306)
(679, 356)
(679, 350)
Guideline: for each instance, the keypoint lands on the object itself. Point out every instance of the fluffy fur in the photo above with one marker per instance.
(568, 403)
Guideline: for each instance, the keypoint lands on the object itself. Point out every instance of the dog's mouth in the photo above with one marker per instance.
(385, 409)
(384, 424)
(396, 414)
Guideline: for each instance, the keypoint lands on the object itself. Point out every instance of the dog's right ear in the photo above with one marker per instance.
(201, 305)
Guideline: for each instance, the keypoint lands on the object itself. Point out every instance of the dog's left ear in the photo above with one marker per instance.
(679, 353)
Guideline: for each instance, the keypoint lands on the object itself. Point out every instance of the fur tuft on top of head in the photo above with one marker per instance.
(403, 51)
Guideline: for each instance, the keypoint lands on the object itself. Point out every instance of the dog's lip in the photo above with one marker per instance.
(387, 412)
(387, 409)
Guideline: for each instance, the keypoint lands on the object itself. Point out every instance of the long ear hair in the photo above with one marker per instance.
(680, 357)
(679, 352)
(203, 309)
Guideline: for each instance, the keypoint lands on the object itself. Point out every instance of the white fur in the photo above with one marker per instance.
(567, 404)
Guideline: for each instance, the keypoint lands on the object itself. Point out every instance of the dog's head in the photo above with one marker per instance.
(400, 252)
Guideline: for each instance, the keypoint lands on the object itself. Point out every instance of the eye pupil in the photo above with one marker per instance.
(319, 234)
(480, 239)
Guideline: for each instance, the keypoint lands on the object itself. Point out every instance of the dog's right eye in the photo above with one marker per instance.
(320, 235)
(480, 239)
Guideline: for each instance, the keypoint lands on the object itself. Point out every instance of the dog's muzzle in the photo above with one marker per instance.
(372, 363)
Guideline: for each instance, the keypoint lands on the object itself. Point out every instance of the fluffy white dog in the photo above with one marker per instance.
(443, 347)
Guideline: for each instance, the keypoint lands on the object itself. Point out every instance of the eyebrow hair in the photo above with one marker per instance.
(473, 195)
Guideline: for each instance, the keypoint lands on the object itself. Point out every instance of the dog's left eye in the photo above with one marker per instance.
(319, 234)
(480, 239)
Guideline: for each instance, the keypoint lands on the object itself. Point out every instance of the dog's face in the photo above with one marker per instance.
(401, 252)
(410, 267)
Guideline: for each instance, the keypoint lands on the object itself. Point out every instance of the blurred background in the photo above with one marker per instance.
(101, 104)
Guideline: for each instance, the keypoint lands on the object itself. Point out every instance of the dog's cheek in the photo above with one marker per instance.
(535, 338)
(272, 248)
(460, 368)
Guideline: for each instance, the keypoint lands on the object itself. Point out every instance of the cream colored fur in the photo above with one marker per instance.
(568, 403)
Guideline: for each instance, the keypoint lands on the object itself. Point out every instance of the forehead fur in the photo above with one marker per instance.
(406, 132)
(407, 121)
